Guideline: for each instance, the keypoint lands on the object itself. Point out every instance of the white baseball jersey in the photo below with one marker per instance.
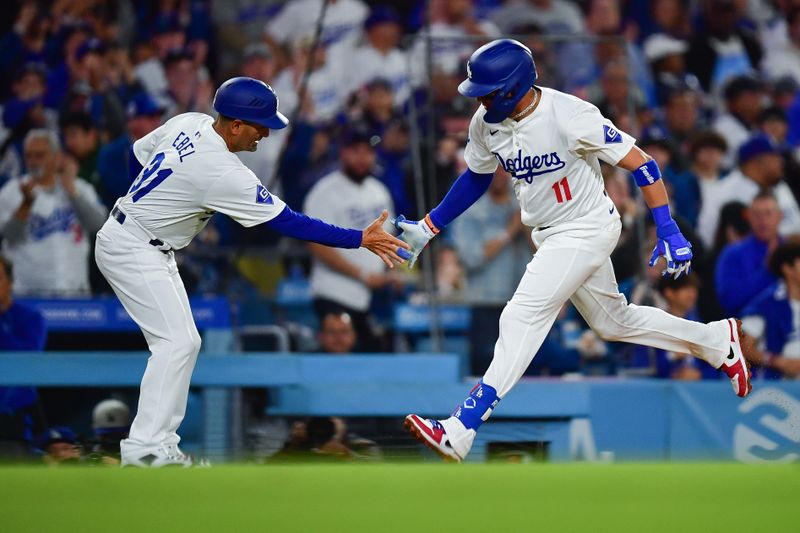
(54, 256)
(341, 201)
(553, 155)
(736, 187)
(327, 90)
(373, 65)
(189, 174)
(341, 28)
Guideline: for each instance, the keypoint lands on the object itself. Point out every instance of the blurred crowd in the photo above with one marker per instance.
(708, 87)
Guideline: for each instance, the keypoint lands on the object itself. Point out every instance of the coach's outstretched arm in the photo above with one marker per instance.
(671, 244)
(388, 247)
(465, 191)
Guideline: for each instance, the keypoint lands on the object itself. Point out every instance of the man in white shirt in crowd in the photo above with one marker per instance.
(343, 280)
(380, 57)
(341, 27)
(453, 24)
(743, 97)
(258, 63)
(760, 166)
(47, 218)
(784, 59)
(327, 85)
(558, 16)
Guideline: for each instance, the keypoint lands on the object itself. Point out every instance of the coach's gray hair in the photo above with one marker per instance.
(42, 133)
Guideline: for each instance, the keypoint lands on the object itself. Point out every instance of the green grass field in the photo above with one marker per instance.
(645, 498)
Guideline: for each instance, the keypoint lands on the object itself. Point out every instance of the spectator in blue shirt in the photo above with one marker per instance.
(21, 329)
(144, 115)
(742, 271)
(689, 189)
(773, 319)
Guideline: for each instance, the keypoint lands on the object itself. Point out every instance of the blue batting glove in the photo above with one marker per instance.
(674, 248)
(417, 233)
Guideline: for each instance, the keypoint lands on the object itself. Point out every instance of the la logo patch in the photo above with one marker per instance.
(263, 196)
(612, 136)
(469, 71)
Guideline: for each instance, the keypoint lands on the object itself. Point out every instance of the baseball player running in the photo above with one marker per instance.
(185, 171)
(552, 144)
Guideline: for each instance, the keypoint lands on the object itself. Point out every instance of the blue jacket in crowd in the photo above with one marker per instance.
(21, 329)
(742, 274)
(773, 306)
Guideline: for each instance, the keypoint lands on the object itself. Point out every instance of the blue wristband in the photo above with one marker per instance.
(647, 174)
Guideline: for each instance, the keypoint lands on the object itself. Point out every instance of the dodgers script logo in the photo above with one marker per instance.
(526, 166)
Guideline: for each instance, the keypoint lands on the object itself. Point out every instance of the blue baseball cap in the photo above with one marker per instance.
(358, 134)
(92, 45)
(166, 23)
(144, 105)
(55, 434)
(742, 84)
(15, 111)
(381, 15)
(755, 146)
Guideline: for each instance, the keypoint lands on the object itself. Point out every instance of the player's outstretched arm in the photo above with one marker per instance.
(374, 238)
(671, 244)
(465, 191)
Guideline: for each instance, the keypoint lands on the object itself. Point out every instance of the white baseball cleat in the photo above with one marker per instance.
(165, 455)
(432, 434)
(736, 366)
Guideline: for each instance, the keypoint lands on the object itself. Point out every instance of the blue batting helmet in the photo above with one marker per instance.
(504, 65)
(250, 100)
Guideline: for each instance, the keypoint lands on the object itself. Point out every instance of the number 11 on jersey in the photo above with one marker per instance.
(560, 186)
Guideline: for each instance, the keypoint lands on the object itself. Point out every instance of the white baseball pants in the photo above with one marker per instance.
(147, 283)
(573, 263)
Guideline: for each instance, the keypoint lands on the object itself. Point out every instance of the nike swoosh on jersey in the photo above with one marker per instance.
(492, 132)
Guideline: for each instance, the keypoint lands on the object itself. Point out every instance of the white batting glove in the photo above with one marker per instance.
(417, 233)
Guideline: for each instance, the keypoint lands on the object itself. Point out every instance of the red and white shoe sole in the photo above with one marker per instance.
(737, 335)
(413, 427)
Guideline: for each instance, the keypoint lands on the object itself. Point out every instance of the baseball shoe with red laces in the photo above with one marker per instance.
(432, 434)
(736, 366)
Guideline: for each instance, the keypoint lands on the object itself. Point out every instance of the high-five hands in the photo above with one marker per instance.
(416, 233)
(386, 246)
